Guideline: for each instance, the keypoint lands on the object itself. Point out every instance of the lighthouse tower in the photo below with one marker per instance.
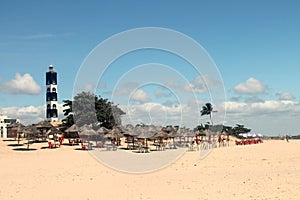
(51, 95)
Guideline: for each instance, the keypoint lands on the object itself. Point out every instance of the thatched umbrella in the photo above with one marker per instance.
(129, 127)
(115, 133)
(172, 133)
(130, 134)
(146, 133)
(14, 127)
(30, 131)
(72, 131)
(161, 135)
(43, 127)
(129, 130)
(87, 131)
(102, 130)
(43, 124)
(55, 133)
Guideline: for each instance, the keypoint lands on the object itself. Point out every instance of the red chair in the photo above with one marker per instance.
(50, 145)
(83, 147)
(237, 142)
(71, 142)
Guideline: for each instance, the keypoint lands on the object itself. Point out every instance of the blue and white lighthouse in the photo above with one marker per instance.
(51, 95)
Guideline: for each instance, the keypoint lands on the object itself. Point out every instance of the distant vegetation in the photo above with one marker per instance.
(88, 108)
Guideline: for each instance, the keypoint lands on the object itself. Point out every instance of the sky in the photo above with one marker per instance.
(249, 71)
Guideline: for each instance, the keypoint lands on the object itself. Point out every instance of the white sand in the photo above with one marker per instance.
(262, 171)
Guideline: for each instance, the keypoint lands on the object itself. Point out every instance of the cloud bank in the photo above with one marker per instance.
(21, 85)
(251, 86)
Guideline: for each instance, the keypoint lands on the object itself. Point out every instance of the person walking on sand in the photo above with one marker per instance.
(220, 139)
(287, 137)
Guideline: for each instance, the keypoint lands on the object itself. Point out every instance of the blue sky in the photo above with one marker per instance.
(254, 44)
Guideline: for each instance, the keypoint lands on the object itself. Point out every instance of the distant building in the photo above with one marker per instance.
(4, 122)
(51, 95)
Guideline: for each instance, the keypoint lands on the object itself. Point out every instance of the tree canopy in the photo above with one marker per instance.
(207, 109)
(88, 108)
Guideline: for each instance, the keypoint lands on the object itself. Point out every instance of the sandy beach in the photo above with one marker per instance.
(270, 170)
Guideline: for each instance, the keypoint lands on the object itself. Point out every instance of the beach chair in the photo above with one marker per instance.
(71, 142)
(191, 146)
(83, 146)
(100, 144)
(50, 145)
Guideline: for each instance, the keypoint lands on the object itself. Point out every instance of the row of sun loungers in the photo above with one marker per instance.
(248, 141)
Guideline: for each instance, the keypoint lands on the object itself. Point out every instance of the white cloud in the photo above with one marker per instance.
(201, 84)
(140, 95)
(251, 86)
(21, 85)
(124, 89)
(89, 87)
(29, 114)
(269, 117)
(184, 114)
(263, 108)
(153, 113)
(285, 96)
(42, 36)
(162, 92)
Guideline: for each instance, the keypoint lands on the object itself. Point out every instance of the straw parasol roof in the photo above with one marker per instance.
(102, 130)
(72, 129)
(161, 134)
(128, 130)
(30, 129)
(87, 130)
(114, 133)
(146, 135)
(43, 124)
(14, 125)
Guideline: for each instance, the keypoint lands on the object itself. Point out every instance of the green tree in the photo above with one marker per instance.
(207, 109)
(238, 129)
(88, 108)
(68, 120)
(200, 128)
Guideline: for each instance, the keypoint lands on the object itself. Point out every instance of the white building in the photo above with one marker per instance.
(4, 121)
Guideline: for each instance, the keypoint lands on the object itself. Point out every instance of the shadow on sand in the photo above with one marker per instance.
(24, 149)
(15, 145)
(8, 140)
(49, 148)
(80, 149)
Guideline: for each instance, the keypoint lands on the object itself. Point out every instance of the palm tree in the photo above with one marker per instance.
(207, 109)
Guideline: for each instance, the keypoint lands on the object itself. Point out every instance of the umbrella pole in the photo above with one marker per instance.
(133, 143)
(28, 141)
(174, 143)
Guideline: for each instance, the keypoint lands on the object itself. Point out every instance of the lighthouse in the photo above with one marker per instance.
(51, 95)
